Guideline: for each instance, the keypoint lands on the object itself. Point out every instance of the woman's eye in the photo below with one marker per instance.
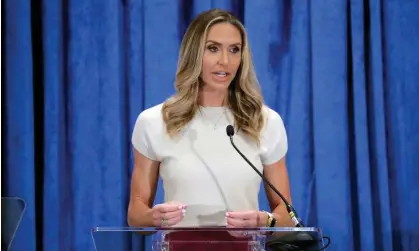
(235, 49)
(212, 48)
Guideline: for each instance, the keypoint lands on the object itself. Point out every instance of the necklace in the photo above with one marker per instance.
(206, 118)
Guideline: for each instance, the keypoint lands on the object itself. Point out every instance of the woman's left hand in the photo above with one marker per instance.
(246, 219)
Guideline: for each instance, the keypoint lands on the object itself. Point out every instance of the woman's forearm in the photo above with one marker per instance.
(139, 215)
(282, 217)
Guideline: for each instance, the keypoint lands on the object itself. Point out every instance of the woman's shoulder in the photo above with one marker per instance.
(151, 113)
(147, 129)
(273, 137)
(273, 122)
(271, 116)
(151, 117)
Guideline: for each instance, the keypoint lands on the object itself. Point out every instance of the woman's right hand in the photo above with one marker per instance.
(168, 214)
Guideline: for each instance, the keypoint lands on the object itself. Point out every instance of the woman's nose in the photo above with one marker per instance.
(223, 58)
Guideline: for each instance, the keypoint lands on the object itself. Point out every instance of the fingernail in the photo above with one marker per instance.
(183, 212)
(179, 207)
(227, 214)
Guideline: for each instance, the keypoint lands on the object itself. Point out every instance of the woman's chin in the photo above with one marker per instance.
(218, 86)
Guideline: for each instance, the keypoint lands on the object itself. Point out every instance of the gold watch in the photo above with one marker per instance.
(271, 220)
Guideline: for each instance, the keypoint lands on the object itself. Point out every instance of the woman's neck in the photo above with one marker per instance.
(212, 98)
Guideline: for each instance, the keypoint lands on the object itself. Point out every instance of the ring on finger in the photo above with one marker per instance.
(163, 222)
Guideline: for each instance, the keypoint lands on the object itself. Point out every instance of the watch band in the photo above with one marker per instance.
(271, 220)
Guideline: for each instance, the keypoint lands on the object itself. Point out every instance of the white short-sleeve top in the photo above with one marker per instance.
(200, 167)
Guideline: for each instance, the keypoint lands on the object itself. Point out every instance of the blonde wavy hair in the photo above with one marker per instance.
(244, 98)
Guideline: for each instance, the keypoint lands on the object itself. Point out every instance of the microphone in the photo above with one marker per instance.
(291, 211)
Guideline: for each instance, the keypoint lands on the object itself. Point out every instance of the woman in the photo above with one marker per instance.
(184, 140)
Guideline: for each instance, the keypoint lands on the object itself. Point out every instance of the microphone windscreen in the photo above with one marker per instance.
(230, 130)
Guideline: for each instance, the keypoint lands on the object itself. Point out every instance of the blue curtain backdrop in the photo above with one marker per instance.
(344, 75)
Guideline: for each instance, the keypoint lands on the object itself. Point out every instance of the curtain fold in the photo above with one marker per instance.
(344, 76)
(18, 117)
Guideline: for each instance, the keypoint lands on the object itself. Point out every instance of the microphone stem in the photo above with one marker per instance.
(292, 213)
